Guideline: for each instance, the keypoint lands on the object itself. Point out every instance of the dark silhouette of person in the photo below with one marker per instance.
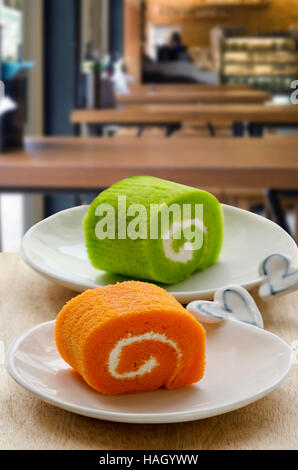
(179, 50)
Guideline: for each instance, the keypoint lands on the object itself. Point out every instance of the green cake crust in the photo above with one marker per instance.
(154, 259)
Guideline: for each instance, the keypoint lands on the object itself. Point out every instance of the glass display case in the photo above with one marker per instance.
(269, 63)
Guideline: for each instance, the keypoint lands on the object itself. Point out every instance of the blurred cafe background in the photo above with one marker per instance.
(100, 89)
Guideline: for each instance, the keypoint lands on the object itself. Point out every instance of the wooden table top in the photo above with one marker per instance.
(27, 299)
(186, 87)
(78, 163)
(194, 96)
(177, 113)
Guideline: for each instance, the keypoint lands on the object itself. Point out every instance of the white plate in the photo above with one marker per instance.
(244, 363)
(55, 248)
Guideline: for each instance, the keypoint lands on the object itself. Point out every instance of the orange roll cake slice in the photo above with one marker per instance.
(131, 337)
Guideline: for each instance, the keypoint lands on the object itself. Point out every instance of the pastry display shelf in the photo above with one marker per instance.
(261, 74)
(269, 63)
(243, 58)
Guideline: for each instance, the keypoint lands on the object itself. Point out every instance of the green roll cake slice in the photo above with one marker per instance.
(152, 229)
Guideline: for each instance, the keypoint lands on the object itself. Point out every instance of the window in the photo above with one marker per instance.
(11, 25)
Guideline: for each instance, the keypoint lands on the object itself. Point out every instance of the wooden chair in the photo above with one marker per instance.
(216, 129)
(126, 132)
(292, 204)
(244, 198)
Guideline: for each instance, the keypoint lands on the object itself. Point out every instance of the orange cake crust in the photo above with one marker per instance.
(130, 337)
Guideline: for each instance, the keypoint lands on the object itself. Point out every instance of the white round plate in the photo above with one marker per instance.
(56, 249)
(244, 363)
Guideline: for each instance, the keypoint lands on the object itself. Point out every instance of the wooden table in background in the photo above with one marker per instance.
(74, 163)
(26, 299)
(185, 87)
(89, 164)
(194, 97)
(178, 113)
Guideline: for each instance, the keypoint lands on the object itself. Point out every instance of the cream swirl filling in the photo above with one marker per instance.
(186, 251)
(149, 365)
